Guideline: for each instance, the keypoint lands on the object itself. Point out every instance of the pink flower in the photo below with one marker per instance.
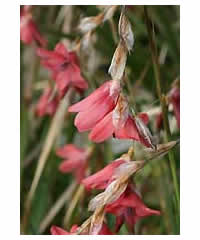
(59, 231)
(64, 66)
(75, 160)
(96, 106)
(105, 230)
(102, 178)
(129, 208)
(47, 104)
(174, 97)
(109, 115)
(28, 29)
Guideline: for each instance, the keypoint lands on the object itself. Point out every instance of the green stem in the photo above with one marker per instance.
(162, 102)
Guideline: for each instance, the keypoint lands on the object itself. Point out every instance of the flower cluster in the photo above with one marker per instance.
(108, 107)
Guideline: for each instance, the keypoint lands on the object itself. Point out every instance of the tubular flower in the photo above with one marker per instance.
(97, 105)
(120, 124)
(47, 103)
(129, 208)
(75, 160)
(28, 29)
(109, 115)
(102, 179)
(59, 231)
(64, 66)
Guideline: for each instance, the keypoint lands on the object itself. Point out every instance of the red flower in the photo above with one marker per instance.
(174, 97)
(59, 231)
(64, 66)
(102, 178)
(28, 29)
(105, 230)
(47, 104)
(109, 115)
(97, 105)
(129, 208)
(75, 160)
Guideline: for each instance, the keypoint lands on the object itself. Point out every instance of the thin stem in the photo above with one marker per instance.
(57, 206)
(79, 192)
(162, 101)
(54, 130)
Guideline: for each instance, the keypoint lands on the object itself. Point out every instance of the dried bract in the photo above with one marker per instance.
(90, 23)
(109, 12)
(125, 31)
(118, 63)
(145, 132)
(97, 221)
(160, 150)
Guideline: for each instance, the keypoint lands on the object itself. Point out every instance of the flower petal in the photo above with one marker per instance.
(128, 131)
(103, 130)
(86, 103)
(58, 231)
(61, 49)
(69, 165)
(70, 151)
(96, 113)
(100, 179)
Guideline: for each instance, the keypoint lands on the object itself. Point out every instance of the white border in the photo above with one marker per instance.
(10, 118)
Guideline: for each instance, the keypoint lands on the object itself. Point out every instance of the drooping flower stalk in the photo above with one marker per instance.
(119, 197)
(107, 106)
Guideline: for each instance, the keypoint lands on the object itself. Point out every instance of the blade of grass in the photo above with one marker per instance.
(57, 206)
(54, 130)
(162, 102)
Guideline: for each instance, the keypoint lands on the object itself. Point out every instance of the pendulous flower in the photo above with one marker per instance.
(97, 105)
(102, 178)
(75, 160)
(109, 115)
(59, 231)
(47, 103)
(64, 66)
(28, 30)
(129, 208)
